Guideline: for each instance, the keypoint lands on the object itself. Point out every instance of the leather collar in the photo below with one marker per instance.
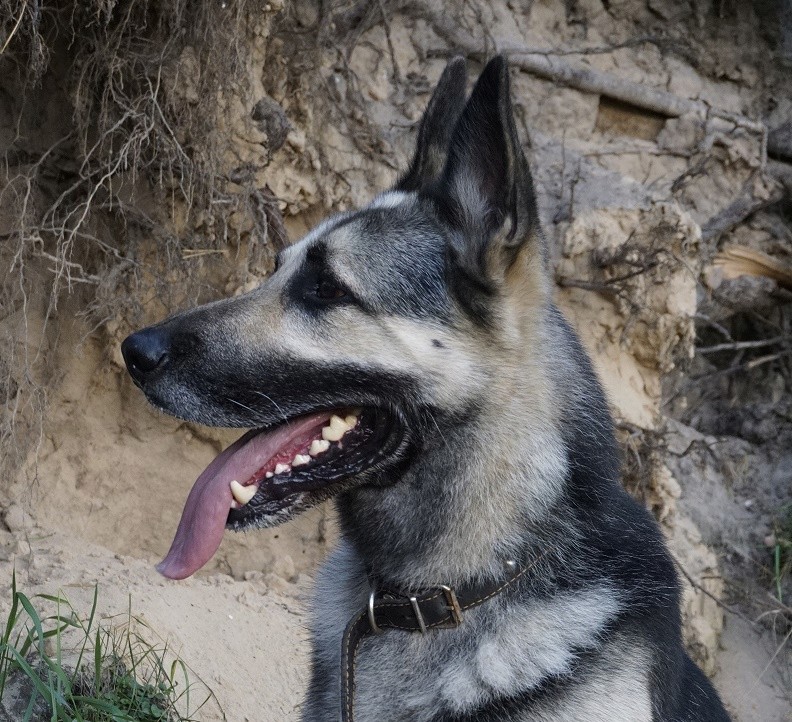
(441, 607)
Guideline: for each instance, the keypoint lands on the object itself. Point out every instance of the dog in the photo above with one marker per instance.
(407, 360)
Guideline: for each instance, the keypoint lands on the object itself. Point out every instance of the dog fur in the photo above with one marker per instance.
(436, 307)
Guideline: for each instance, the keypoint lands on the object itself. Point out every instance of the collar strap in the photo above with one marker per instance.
(441, 607)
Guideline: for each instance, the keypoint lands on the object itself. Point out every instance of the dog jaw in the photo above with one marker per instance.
(270, 474)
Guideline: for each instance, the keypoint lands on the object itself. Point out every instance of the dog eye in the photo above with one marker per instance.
(328, 290)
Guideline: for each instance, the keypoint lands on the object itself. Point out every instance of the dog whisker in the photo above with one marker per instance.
(272, 401)
(239, 403)
(439, 431)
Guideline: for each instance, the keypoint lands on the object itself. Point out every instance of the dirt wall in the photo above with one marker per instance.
(318, 114)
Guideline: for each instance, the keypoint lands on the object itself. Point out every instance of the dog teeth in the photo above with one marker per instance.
(336, 429)
(243, 494)
(301, 460)
(329, 434)
(280, 468)
(318, 446)
(351, 421)
(268, 475)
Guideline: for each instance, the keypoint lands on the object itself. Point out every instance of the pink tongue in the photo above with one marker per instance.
(206, 510)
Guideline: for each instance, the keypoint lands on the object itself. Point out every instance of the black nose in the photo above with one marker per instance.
(145, 352)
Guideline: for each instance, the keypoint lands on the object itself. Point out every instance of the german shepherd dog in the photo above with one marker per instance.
(407, 360)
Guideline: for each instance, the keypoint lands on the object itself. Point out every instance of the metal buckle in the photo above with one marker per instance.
(372, 621)
(417, 611)
(453, 604)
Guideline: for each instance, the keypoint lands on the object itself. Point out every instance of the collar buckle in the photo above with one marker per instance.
(372, 619)
(418, 615)
(453, 607)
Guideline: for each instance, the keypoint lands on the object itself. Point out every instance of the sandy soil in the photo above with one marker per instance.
(244, 639)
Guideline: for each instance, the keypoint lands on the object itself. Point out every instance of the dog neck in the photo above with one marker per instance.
(480, 492)
(507, 482)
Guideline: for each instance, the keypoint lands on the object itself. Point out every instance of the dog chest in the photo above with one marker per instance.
(501, 651)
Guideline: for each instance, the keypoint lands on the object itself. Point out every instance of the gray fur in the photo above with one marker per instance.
(502, 649)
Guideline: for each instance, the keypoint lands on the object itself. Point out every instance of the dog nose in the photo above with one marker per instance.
(144, 352)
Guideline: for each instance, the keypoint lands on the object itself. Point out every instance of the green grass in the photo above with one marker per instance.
(87, 670)
(782, 550)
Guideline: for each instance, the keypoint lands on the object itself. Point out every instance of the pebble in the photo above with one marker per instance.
(16, 518)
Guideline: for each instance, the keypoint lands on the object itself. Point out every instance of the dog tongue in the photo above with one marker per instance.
(206, 510)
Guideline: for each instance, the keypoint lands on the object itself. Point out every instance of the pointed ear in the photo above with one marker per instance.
(437, 124)
(486, 191)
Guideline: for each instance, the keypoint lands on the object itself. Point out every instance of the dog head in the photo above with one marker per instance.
(375, 332)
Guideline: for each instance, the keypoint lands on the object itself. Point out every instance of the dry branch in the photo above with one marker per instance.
(738, 368)
(13, 30)
(595, 81)
(551, 67)
(706, 592)
(736, 212)
(742, 345)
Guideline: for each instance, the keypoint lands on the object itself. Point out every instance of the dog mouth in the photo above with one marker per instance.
(270, 474)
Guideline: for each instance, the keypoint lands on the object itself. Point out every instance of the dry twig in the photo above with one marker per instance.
(726, 607)
(736, 212)
(741, 345)
(551, 67)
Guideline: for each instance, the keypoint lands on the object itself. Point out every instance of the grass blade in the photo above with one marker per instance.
(119, 676)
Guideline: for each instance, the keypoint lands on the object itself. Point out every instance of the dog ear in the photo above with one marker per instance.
(437, 125)
(486, 192)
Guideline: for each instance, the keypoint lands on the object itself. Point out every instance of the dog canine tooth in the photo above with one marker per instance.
(300, 460)
(318, 446)
(243, 494)
(351, 421)
(280, 468)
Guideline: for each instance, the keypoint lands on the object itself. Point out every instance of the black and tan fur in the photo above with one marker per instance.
(502, 448)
